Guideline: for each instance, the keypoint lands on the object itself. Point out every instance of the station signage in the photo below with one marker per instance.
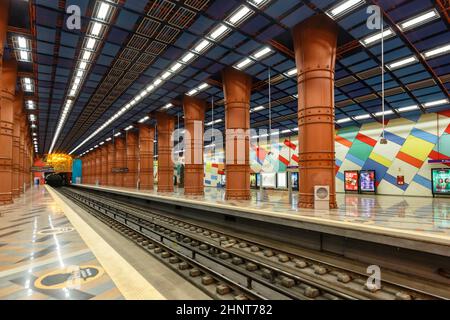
(45, 169)
(119, 170)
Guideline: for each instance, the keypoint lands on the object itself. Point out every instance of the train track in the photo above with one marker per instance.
(235, 266)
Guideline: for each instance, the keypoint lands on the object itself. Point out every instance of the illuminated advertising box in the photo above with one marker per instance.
(351, 181)
(367, 181)
(440, 179)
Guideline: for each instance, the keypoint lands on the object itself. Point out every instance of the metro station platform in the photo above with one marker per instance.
(48, 251)
(415, 223)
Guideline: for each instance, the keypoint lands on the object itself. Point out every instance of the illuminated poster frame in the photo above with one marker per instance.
(362, 188)
(346, 173)
(445, 185)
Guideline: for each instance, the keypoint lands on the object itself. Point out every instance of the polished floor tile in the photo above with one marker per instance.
(43, 257)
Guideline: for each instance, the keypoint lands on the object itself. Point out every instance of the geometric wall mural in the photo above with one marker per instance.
(412, 141)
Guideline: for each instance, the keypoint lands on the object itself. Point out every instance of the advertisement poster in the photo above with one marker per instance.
(367, 181)
(253, 180)
(351, 180)
(294, 178)
(282, 180)
(268, 180)
(441, 181)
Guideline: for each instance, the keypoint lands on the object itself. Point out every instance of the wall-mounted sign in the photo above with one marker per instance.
(440, 178)
(400, 180)
(367, 181)
(42, 169)
(119, 170)
(351, 180)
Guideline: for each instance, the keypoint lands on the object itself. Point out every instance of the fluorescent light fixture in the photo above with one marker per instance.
(408, 108)
(96, 146)
(261, 53)
(90, 44)
(362, 117)
(96, 29)
(244, 63)
(108, 139)
(34, 134)
(103, 10)
(157, 82)
(30, 104)
(402, 63)
(214, 122)
(291, 72)
(167, 106)
(437, 51)
(203, 86)
(286, 131)
(165, 75)
(33, 126)
(344, 7)
(239, 15)
(373, 38)
(86, 55)
(219, 32)
(24, 56)
(419, 20)
(435, 103)
(102, 143)
(188, 57)
(386, 112)
(258, 3)
(144, 119)
(294, 129)
(192, 92)
(258, 108)
(22, 42)
(117, 134)
(175, 67)
(343, 120)
(128, 128)
(202, 45)
(82, 65)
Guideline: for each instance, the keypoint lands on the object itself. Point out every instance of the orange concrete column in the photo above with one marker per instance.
(315, 54)
(130, 180)
(4, 15)
(104, 165)
(120, 161)
(98, 165)
(111, 163)
(8, 84)
(18, 106)
(146, 147)
(237, 90)
(23, 122)
(194, 118)
(165, 127)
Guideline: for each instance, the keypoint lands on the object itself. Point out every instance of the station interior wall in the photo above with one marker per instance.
(412, 141)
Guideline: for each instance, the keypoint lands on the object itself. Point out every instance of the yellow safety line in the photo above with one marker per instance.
(130, 282)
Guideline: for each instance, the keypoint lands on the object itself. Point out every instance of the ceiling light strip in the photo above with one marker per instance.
(96, 31)
(216, 33)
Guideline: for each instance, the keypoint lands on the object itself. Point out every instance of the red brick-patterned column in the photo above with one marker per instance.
(111, 163)
(237, 90)
(315, 53)
(87, 175)
(18, 106)
(8, 87)
(104, 165)
(194, 117)
(165, 127)
(98, 166)
(120, 161)
(23, 124)
(132, 160)
(146, 147)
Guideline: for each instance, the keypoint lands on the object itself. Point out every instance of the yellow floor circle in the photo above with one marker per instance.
(72, 277)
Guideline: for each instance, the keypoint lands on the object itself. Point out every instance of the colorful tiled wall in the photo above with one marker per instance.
(412, 141)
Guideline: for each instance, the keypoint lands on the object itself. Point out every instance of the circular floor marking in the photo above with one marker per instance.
(71, 277)
(59, 230)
